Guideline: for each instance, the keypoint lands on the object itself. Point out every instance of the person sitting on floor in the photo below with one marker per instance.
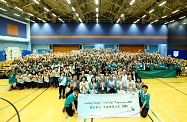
(70, 103)
(144, 101)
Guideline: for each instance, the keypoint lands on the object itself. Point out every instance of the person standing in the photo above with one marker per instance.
(63, 81)
(144, 101)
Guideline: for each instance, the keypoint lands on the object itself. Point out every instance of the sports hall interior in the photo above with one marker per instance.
(40, 27)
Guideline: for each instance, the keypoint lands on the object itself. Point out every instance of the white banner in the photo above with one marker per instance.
(108, 105)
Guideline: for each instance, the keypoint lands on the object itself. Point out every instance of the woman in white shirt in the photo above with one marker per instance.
(120, 84)
(40, 80)
(63, 81)
(34, 79)
(93, 86)
(20, 82)
(27, 79)
(46, 79)
(84, 88)
(89, 76)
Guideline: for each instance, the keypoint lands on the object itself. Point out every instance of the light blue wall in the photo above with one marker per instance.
(162, 49)
(40, 47)
(23, 46)
(152, 48)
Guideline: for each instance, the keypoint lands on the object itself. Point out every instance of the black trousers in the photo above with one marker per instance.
(20, 86)
(69, 109)
(112, 90)
(46, 84)
(178, 72)
(28, 84)
(62, 88)
(144, 111)
(33, 84)
(56, 82)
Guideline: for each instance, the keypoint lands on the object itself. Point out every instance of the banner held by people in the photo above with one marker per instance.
(108, 105)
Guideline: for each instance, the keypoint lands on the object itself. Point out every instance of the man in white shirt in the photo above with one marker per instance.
(131, 86)
(89, 76)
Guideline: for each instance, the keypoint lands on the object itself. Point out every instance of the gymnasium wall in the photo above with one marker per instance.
(102, 33)
(12, 28)
(177, 39)
(40, 48)
(14, 34)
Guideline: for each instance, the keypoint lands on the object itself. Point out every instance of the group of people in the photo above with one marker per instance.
(91, 71)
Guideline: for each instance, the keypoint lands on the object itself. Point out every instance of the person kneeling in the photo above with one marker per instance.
(70, 103)
(144, 101)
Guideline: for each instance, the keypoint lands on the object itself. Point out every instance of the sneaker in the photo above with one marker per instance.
(59, 97)
(64, 109)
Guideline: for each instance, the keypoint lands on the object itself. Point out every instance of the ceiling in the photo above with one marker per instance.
(109, 11)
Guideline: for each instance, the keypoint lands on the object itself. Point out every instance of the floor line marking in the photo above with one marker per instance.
(172, 87)
(150, 118)
(20, 99)
(27, 104)
(153, 110)
(168, 82)
(164, 109)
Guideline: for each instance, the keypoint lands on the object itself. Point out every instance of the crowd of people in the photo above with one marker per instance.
(95, 69)
(91, 71)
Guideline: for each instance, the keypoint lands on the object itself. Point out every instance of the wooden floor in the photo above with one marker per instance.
(168, 103)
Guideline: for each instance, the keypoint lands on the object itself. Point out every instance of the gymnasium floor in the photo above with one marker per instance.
(168, 103)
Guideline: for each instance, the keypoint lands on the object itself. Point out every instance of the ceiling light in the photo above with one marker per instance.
(19, 8)
(53, 14)
(16, 14)
(182, 17)
(164, 16)
(97, 10)
(36, 1)
(144, 16)
(96, 2)
(172, 21)
(118, 20)
(77, 15)
(184, 23)
(97, 20)
(43, 21)
(32, 21)
(175, 11)
(73, 8)
(80, 20)
(4, 1)
(151, 11)
(30, 14)
(69, 1)
(132, 2)
(162, 3)
(166, 23)
(97, 15)
(122, 15)
(3, 9)
(156, 20)
(46, 9)
(27, 19)
(60, 20)
(137, 20)
(39, 19)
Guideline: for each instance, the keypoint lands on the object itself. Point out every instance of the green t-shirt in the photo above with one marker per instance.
(12, 78)
(69, 100)
(145, 97)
